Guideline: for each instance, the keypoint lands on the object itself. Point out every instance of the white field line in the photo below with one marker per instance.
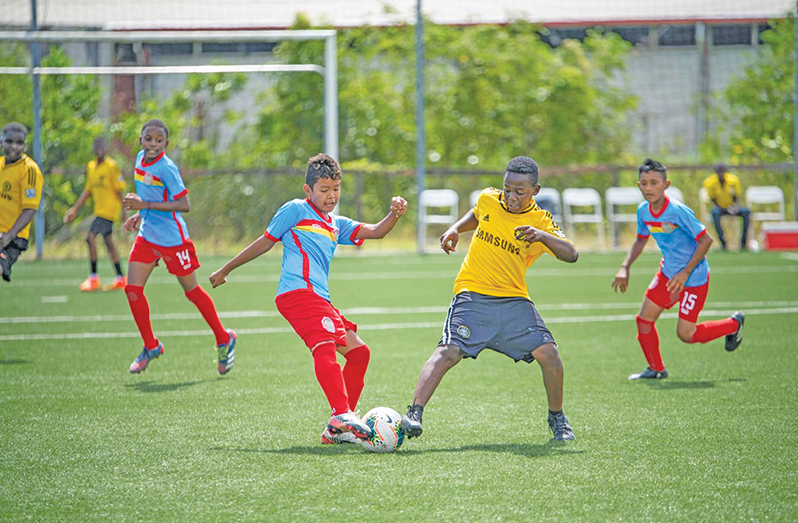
(371, 327)
(358, 311)
(428, 275)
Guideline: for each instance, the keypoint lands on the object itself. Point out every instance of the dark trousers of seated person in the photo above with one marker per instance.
(743, 213)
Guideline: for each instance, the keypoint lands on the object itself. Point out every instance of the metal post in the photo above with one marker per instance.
(331, 96)
(795, 115)
(421, 173)
(37, 129)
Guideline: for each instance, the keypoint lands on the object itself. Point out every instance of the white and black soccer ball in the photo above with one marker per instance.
(387, 426)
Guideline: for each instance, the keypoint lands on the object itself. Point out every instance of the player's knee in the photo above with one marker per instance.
(547, 355)
(644, 326)
(686, 335)
(448, 354)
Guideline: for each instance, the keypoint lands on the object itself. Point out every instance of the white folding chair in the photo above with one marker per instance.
(548, 199)
(473, 197)
(768, 195)
(445, 201)
(626, 199)
(674, 193)
(583, 198)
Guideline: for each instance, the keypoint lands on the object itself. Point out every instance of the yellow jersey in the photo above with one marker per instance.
(104, 181)
(496, 262)
(723, 194)
(20, 188)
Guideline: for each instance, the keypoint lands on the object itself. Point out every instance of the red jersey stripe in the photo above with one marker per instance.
(154, 161)
(269, 236)
(305, 261)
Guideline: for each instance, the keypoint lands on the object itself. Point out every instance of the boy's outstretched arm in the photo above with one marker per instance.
(73, 211)
(24, 218)
(376, 231)
(621, 280)
(450, 238)
(260, 246)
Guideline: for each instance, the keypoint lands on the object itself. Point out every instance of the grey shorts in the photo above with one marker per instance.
(511, 326)
(102, 226)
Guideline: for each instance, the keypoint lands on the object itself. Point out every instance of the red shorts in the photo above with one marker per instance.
(691, 300)
(313, 318)
(180, 260)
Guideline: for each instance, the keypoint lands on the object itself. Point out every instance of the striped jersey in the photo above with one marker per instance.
(309, 239)
(497, 262)
(676, 231)
(20, 188)
(160, 181)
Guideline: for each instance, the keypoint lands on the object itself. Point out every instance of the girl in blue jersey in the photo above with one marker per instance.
(160, 197)
(683, 277)
(310, 234)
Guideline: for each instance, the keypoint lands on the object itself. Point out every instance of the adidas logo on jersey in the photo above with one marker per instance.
(487, 218)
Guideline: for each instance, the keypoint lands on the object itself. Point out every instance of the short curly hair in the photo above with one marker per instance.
(15, 127)
(322, 166)
(524, 165)
(155, 123)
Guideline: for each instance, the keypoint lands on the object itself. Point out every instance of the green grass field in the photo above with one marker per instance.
(83, 440)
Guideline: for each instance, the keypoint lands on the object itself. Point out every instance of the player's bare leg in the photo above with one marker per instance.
(120, 281)
(444, 358)
(92, 283)
(548, 357)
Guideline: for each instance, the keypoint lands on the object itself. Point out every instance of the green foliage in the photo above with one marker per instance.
(757, 109)
(493, 92)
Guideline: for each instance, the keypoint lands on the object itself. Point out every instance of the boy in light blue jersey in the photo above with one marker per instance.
(310, 234)
(160, 198)
(683, 276)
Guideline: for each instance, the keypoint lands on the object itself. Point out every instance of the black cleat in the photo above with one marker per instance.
(736, 338)
(560, 427)
(650, 374)
(411, 422)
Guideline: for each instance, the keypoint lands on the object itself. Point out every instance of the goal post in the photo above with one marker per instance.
(329, 69)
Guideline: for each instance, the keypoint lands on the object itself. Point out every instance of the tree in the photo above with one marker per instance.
(757, 110)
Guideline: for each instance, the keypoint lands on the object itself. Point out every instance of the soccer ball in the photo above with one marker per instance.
(387, 426)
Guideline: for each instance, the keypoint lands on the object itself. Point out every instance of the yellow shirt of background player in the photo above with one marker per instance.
(496, 262)
(20, 188)
(723, 194)
(104, 182)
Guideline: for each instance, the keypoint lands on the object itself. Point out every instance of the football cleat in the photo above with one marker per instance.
(227, 353)
(336, 438)
(350, 422)
(650, 374)
(119, 283)
(143, 359)
(734, 339)
(411, 422)
(92, 283)
(560, 427)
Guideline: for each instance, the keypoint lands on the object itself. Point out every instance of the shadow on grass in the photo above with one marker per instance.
(14, 362)
(149, 386)
(675, 385)
(529, 450)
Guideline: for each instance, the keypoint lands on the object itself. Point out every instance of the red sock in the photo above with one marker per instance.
(712, 330)
(204, 303)
(330, 377)
(357, 362)
(649, 341)
(141, 314)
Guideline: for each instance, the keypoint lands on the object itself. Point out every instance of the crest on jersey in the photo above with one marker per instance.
(464, 331)
(30, 193)
(148, 179)
(328, 324)
(667, 228)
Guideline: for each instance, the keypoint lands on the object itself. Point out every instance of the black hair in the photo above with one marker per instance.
(322, 166)
(524, 165)
(155, 123)
(15, 127)
(720, 169)
(653, 165)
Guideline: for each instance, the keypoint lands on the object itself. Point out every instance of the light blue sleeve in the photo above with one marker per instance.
(642, 230)
(173, 181)
(347, 230)
(689, 222)
(284, 219)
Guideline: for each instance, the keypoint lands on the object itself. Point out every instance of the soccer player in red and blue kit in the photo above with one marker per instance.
(310, 234)
(683, 277)
(160, 197)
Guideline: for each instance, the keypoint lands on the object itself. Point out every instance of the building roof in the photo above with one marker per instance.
(278, 14)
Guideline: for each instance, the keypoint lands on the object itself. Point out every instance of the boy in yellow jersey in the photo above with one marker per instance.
(20, 193)
(491, 308)
(104, 183)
